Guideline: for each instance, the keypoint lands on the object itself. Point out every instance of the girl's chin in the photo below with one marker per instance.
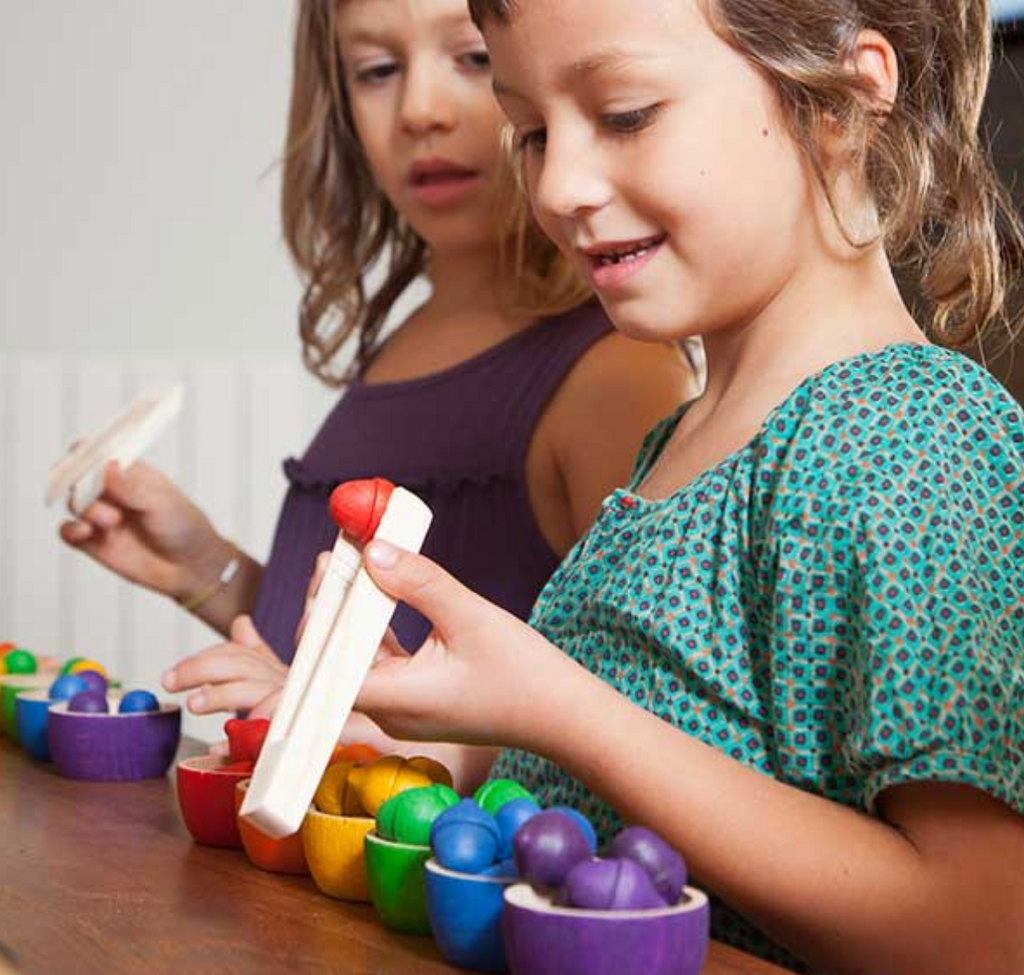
(455, 242)
(644, 320)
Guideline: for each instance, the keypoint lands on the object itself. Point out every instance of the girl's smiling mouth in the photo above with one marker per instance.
(613, 263)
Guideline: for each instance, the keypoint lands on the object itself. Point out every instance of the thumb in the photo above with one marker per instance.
(266, 707)
(424, 585)
(244, 631)
(129, 488)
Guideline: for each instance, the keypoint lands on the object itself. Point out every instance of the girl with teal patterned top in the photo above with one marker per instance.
(794, 643)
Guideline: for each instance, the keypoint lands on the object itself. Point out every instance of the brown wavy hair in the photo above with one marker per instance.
(338, 225)
(945, 217)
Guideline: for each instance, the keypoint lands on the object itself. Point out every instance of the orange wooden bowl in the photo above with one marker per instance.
(284, 855)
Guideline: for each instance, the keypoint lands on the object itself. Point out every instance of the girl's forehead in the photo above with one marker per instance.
(571, 40)
(368, 14)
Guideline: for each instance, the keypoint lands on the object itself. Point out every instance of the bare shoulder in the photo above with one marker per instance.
(594, 427)
(638, 382)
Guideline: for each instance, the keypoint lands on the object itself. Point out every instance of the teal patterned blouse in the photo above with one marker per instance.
(839, 604)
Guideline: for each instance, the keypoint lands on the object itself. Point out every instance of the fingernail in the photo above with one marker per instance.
(383, 555)
(168, 680)
(196, 703)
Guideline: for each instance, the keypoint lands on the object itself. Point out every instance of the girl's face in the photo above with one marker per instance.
(419, 85)
(654, 158)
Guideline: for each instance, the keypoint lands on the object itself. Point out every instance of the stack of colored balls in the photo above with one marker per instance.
(101, 737)
(579, 914)
(287, 854)
(472, 843)
(405, 796)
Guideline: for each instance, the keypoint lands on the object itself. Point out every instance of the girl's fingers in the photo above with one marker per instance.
(424, 585)
(76, 532)
(266, 707)
(134, 488)
(220, 748)
(322, 561)
(235, 696)
(319, 569)
(243, 631)
(220, 664)
(390, 647)
(103, 515)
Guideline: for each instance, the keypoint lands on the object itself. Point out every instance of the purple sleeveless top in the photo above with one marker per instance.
(458, 439)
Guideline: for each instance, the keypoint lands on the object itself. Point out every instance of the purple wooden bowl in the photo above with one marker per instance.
(113, 747)
(544, 939)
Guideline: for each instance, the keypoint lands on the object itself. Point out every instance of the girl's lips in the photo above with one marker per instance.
(444, 189)
(610, 268)
(440, 182)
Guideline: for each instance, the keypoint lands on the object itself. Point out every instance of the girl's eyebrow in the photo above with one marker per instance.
(610, 59)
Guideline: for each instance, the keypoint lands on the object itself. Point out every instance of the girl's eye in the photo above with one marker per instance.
(475, 60)
(375, 74)
(626, 123)
(532, 141)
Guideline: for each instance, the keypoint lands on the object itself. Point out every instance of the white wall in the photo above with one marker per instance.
(138, 200)
(139, 240)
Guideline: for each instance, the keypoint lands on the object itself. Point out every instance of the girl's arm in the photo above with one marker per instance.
(148, 532)
(936, 885)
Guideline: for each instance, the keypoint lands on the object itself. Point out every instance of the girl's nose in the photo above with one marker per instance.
(427, 104)
(570, 182)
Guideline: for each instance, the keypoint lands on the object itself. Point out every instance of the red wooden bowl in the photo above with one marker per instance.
(206, 795)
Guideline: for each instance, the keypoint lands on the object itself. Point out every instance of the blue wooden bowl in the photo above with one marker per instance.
(33, 709)
(465, 911)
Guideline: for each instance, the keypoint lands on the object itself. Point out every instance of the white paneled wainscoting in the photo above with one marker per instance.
(242, 416)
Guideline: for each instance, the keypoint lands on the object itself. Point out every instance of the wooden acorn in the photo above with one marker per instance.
(357, 507)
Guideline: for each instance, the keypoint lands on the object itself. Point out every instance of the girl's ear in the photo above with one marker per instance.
(875, 63)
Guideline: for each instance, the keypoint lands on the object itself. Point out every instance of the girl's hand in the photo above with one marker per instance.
(477, 674)
(232, 676)
(147, 531)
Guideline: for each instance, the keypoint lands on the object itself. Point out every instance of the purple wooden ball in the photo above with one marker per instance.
(94, 680)
(584, 823)
(547, 847)
(89, 702)
(664, 864)
(610, 885)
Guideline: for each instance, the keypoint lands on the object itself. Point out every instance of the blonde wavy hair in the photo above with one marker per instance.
(338, 225)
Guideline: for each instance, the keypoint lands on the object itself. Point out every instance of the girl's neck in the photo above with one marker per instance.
(834, 310)
(464, 282)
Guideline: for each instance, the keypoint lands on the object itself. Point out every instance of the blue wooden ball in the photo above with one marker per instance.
(137, 702)
(510, 817)
(66, 687)
(465, 838)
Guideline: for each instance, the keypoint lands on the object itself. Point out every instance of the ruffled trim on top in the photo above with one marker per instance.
(431, 483)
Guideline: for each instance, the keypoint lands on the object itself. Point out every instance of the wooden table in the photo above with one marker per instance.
(104, 878)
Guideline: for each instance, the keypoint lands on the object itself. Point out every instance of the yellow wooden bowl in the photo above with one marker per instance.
(334, 853)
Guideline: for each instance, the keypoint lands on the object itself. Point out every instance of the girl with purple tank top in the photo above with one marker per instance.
(457, 438)
(486, 416)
